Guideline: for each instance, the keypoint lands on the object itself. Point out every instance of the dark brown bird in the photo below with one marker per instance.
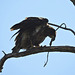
(27, 29)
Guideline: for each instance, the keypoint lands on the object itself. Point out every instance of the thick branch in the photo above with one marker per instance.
(36, 50)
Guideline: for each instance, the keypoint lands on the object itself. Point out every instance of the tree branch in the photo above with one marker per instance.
(62, 27)
(73, 1)
(35, 51)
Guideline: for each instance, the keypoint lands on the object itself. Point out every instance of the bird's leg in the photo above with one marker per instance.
(31, 44)
(38, 45)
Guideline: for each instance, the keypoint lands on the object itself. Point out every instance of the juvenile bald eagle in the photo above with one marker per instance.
(28, 28)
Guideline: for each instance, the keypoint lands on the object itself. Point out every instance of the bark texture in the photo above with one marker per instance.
(35, 50)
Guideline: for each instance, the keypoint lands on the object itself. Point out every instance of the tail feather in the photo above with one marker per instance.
(14, 34)
(15, 50)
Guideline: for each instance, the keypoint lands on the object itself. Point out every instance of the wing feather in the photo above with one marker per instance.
(29, 23)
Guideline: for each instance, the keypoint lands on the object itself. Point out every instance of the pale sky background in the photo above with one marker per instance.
(57, 11)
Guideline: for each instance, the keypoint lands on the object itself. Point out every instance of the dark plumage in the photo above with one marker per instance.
(42, 34)
(30, 23)
(27, 29)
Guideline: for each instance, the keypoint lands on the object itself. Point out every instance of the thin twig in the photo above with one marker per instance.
(47, 59)
(4, 52)
(62, 27)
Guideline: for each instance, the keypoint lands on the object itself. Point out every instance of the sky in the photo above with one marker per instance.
(58, 12)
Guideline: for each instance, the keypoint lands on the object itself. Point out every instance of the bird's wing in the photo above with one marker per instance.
(29, 23)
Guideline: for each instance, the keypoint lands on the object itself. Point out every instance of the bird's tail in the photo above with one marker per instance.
(15, 49)
(15, 34)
